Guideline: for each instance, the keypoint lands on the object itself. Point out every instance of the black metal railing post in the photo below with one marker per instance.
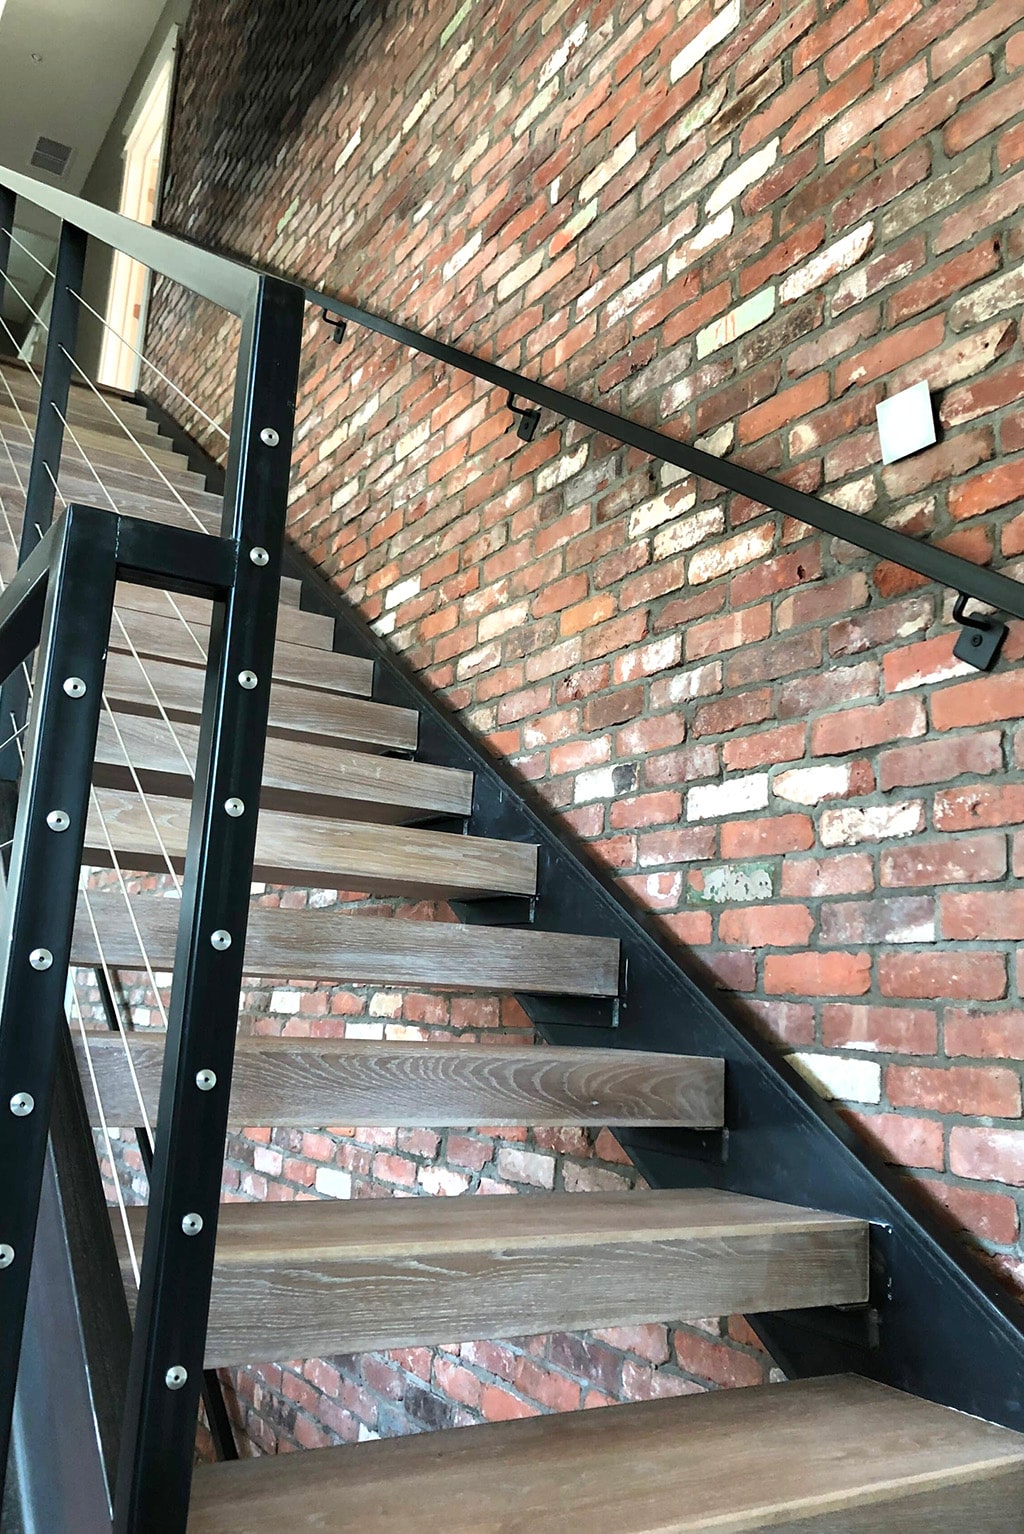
(8, 209)
(47, 447)
(158, 1442)
(43, 888)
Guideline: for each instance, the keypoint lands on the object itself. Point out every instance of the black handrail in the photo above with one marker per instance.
(936, 564)
(232, 285)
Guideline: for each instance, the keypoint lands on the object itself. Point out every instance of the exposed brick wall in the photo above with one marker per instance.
(747, 223)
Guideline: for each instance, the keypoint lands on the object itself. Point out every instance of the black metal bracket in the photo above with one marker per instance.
(982, 638)
(526, 419)
(338, 326)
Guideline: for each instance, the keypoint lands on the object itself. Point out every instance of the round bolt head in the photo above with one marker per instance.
(248, 680)
(6, 1254)
(176, 1377)
(234, 807)
(40, 958)
(206, 1080)
(259, 557)
(22, 1104)
(269, 437)
(74, 687)
(220, 939)
(58, 820)
(192, 1224)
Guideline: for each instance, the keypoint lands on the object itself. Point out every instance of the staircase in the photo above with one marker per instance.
(347, 803)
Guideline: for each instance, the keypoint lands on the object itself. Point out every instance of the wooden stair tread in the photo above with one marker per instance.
(313, 1083)
(297, 775)
(137, 495)
(356, 949)
(163, 636)
(840, 1454)
(331, 854)
(322, 717)
(311, 1279)
(314, 630)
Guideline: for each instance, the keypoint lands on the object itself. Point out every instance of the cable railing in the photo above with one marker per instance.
(61, 604)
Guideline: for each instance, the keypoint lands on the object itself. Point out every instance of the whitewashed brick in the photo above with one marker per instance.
(561, 469)
(847, 827)
(402, 591)
(712, 233)
(285, 1001)
(709, 37)
(616, 161)
(462, 256)
(827, 264)
(596, 784)
(746, 547)
(810, 785)
(745, 317)
(736, 796)
(688, 532)
(697, 682)
(333, 1183)
(526, 1166)
(659, 655)
(651, 514)
(745, 175)
(349, 150)
(412, 440)
(364, 1031)
(1000, 296)
(850, 1081)
(561, 56)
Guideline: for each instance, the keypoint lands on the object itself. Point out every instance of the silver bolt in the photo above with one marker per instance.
(192, 1224)
(22, 1104)
(220, 939)
(269, 437)
(74, 687)
(248, 680)
(58, 820)
(206, 1080)
(175, 1377)
(6, 1255)
(40, 958)
(234, 807)
(259, 556)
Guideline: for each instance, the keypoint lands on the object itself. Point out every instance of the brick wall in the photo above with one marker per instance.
(746, 223)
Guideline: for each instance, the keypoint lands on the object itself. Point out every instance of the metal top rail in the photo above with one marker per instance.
(230, 284)
(927, 559)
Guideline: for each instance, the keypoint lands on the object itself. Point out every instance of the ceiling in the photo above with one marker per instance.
(88, 51)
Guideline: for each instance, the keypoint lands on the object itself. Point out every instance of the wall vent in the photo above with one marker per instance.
(52, 156)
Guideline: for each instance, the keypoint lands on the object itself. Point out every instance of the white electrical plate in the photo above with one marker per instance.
(906, 423)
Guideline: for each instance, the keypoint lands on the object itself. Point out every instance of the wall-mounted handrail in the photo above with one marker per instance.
(232, 285)
(936, 564)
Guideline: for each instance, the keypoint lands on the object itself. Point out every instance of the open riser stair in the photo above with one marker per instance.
(759, 1199)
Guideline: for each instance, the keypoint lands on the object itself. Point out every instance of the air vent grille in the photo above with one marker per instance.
(52, 156)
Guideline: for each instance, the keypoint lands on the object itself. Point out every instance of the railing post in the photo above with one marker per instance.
(42, 894)
(47, 446)
(8, 208)
(155, 1472)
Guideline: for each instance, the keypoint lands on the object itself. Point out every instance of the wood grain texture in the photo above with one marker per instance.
(97, 436)
(832, 1456)
(136, 495)
(357, 949)
(163, 636)
(315, 630)
(312, 1279)
(309, 1084)
(297, 775)
(331, 854)
(299, 712)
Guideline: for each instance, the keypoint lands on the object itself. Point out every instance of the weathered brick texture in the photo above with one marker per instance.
(746, 223)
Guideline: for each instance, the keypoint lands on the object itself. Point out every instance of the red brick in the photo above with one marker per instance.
(984, 492)
(968, 976)
(981, 701)
(988, 916)
(771, 926)
(903, 346)
(940, 761)
(990, 1216)
(984, 1035)
(886, 1030)
(989, 1155)
(957, 860)
(859, 728)
(764, 838)
(982, 804)
(783, 744)
(902, 1140)
(818, 974)
(841, 873)
(991, 1092)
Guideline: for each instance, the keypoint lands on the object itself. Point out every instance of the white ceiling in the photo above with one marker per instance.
(89, 51)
